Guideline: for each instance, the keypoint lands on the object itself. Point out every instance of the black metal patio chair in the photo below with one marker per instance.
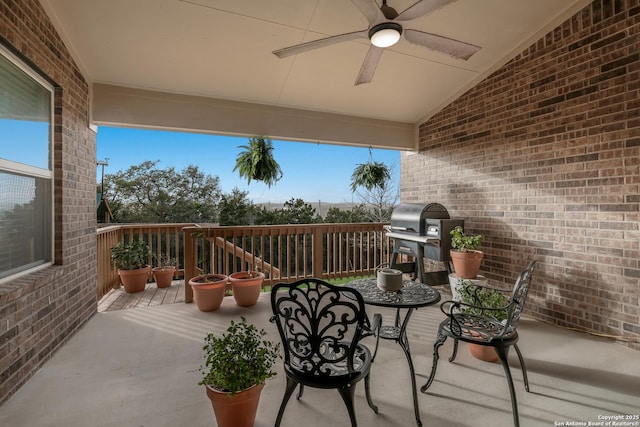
(321, 326)
(476, 324)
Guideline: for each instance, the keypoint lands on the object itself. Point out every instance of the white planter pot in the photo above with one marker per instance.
(455, 281)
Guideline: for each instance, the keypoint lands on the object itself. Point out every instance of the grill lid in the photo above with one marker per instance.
(410, 217)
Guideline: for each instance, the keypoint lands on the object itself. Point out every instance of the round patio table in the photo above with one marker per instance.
(411, 296)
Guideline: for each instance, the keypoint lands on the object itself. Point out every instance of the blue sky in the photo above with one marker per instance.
(30, 149)
(312, 172)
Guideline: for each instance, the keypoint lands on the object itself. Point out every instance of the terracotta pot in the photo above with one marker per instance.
(246, 286)
(483, 352)
(466, 264)
(163, 276)
(134, 280)
(238, 410)
(208, 292)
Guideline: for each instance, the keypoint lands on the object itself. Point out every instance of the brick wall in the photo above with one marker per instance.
(542, 158)
(40, 311)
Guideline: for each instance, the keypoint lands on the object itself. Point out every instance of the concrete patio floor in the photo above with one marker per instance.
(139, 367)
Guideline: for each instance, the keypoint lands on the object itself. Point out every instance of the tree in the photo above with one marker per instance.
(380, 202)
(266, 216)
(357, 213)
(257, 163)
(236, 208)
(146, 194)
(379, 199)
(295, 211)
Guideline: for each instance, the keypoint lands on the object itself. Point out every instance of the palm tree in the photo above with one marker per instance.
(256, 162)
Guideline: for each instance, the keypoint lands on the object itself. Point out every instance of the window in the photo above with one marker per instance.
(26, 176)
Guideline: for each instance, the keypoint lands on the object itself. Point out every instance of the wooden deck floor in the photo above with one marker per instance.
(118, 299)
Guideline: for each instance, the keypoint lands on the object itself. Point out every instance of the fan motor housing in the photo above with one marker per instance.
(385, 26)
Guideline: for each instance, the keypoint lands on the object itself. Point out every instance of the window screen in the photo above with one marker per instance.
(26, 176)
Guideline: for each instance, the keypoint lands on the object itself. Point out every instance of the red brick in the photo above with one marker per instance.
(564, 141)
(36, 303)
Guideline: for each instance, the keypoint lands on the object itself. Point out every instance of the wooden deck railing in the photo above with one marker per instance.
(282, 252)
(163, 240)
(287, 252)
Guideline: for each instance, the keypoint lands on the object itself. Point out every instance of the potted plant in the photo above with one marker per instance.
(164, 271)
(246, 287)
(257, 163)
(208, 288)
(236, 366)
(464, 253)
(487, 298)
(131, 260)
(370, 175)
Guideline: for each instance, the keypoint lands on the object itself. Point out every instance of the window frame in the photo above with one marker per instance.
(12, 167)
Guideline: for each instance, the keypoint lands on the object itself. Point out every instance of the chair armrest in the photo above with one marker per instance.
(462, 316)
(451, 307)
(474, 291)
(448, 307)
(483, 301)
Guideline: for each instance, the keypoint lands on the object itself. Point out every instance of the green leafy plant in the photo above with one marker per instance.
(238, 359)
(370, 175)
(130, 256)
(481, 300)
(464, 243)
(257, 162)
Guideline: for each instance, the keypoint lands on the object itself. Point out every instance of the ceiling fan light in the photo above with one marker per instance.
(385, 35)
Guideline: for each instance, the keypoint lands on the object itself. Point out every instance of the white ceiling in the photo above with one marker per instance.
(222, 49)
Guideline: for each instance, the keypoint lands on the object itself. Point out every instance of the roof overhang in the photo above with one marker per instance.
(208, 66)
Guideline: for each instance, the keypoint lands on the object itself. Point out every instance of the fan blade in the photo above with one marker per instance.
(455, 48)
(315, 44)
(370, 9)
(420, 9)
(369, 65)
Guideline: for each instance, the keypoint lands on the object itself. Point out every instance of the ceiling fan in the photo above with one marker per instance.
(385, 29)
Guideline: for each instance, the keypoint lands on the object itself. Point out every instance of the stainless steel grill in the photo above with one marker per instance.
(422, 231)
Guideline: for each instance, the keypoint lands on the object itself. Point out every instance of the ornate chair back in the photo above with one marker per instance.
(480, 326)
(320, 326)
(519, 297)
